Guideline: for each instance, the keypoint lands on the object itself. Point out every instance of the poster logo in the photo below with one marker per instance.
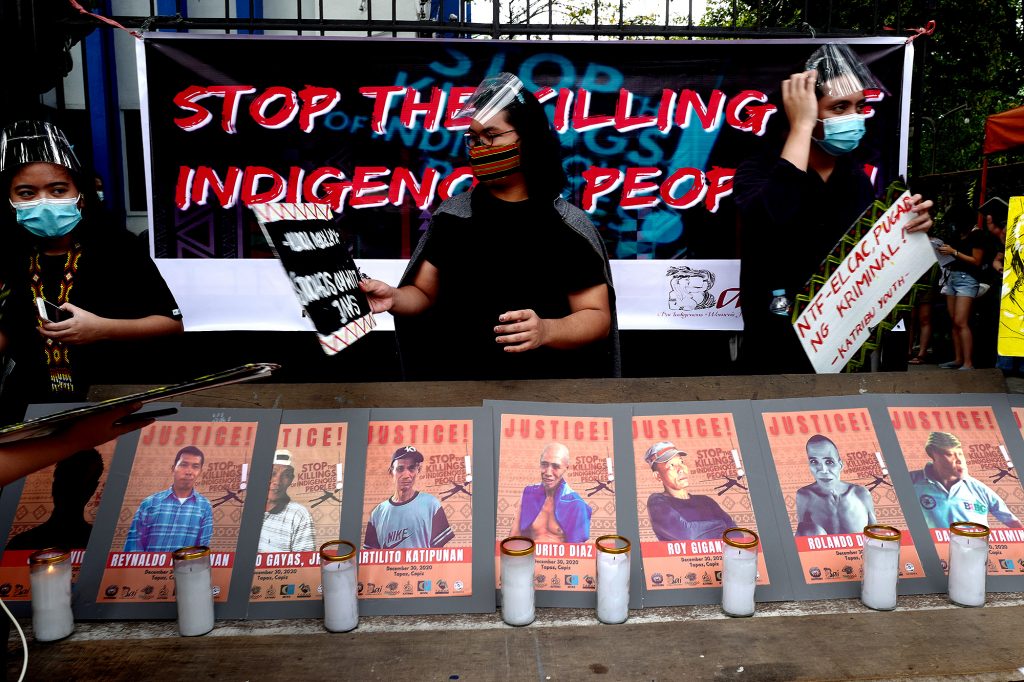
(815, 572)
(690, 289)
(287, 590)
(1006, 564)
(424, 585)
(657, 579)
(928, 502)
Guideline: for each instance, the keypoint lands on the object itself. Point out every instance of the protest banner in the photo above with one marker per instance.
(870, 271)
(847, 487)
(686, 502)
(556, 486)
(417, 527)
(325, 279)
(53, 507)
(961, 470)
(205, 462)
(651, 131)
(303, 510)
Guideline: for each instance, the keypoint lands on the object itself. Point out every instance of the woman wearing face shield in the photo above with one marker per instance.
(510, 281)
(795, 205)
(107, 290)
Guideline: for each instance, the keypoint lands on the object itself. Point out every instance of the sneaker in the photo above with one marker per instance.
(952, 364)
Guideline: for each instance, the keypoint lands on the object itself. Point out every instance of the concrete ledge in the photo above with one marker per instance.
(926, 638)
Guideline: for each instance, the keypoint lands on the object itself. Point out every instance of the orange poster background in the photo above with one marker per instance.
(853, 434)
(589, 440)
(318, 456)
(227, 447)
(708, 440)
(445, 446)
(34, 508)
(980, 437)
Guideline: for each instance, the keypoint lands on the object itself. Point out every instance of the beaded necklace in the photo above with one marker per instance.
(58, 360)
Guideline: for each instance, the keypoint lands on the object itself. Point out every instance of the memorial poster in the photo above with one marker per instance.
(556, 485)
(961, 471)
(56, 508)
(417, 527)
(186, 487)
(691, 486)
(834, 481)
(303, 510)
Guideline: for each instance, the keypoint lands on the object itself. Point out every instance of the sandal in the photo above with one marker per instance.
(916, 360)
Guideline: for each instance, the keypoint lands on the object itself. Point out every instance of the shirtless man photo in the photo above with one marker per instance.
(829, 505)
(551, 511)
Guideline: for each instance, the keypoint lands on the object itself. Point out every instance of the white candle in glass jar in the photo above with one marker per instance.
(612, 578)
(50, 577)
(968, 563)
(338, 573)
(881, 567)
(517, 570)
(739, 571)
(193, 590)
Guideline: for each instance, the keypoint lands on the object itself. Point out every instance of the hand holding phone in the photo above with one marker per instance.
(50, 312)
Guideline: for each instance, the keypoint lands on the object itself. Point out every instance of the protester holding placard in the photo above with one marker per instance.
(101, 288)
(796, 204)
(516, 280)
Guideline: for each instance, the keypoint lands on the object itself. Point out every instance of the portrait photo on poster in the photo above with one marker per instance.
(183, 483)
(831, 479)
(423, 535)
(303, 508)
(959, 453)
(558, 486)
(53, 507)
(698, 474)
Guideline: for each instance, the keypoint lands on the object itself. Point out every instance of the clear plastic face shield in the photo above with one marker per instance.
(840, 71)
(35, 142)
(494, 95)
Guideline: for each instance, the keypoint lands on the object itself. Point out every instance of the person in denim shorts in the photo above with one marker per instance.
(961, 285)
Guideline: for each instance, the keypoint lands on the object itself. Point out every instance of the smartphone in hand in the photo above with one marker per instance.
(50, 312)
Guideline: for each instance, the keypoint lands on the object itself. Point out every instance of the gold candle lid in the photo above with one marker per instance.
(879, 532)
(189, 553)
(510, 550)
(48, 556)
(740, 538)
(616, 544)
(969, 529)
(340, 556)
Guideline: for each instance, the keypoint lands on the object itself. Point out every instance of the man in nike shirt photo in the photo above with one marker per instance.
(409, 518)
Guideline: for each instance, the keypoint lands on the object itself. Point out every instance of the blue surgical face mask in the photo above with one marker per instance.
(48, 218)
(842, 133)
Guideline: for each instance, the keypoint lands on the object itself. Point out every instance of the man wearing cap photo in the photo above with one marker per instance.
(287, 525)
(551, 511)
(675, 513)
(830, 505)
(409, 518)
(947, 493)
(177, 517)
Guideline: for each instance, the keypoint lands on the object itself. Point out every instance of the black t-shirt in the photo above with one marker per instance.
(965, 244)
(789, 222)
(115, 279)
(507, 256)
